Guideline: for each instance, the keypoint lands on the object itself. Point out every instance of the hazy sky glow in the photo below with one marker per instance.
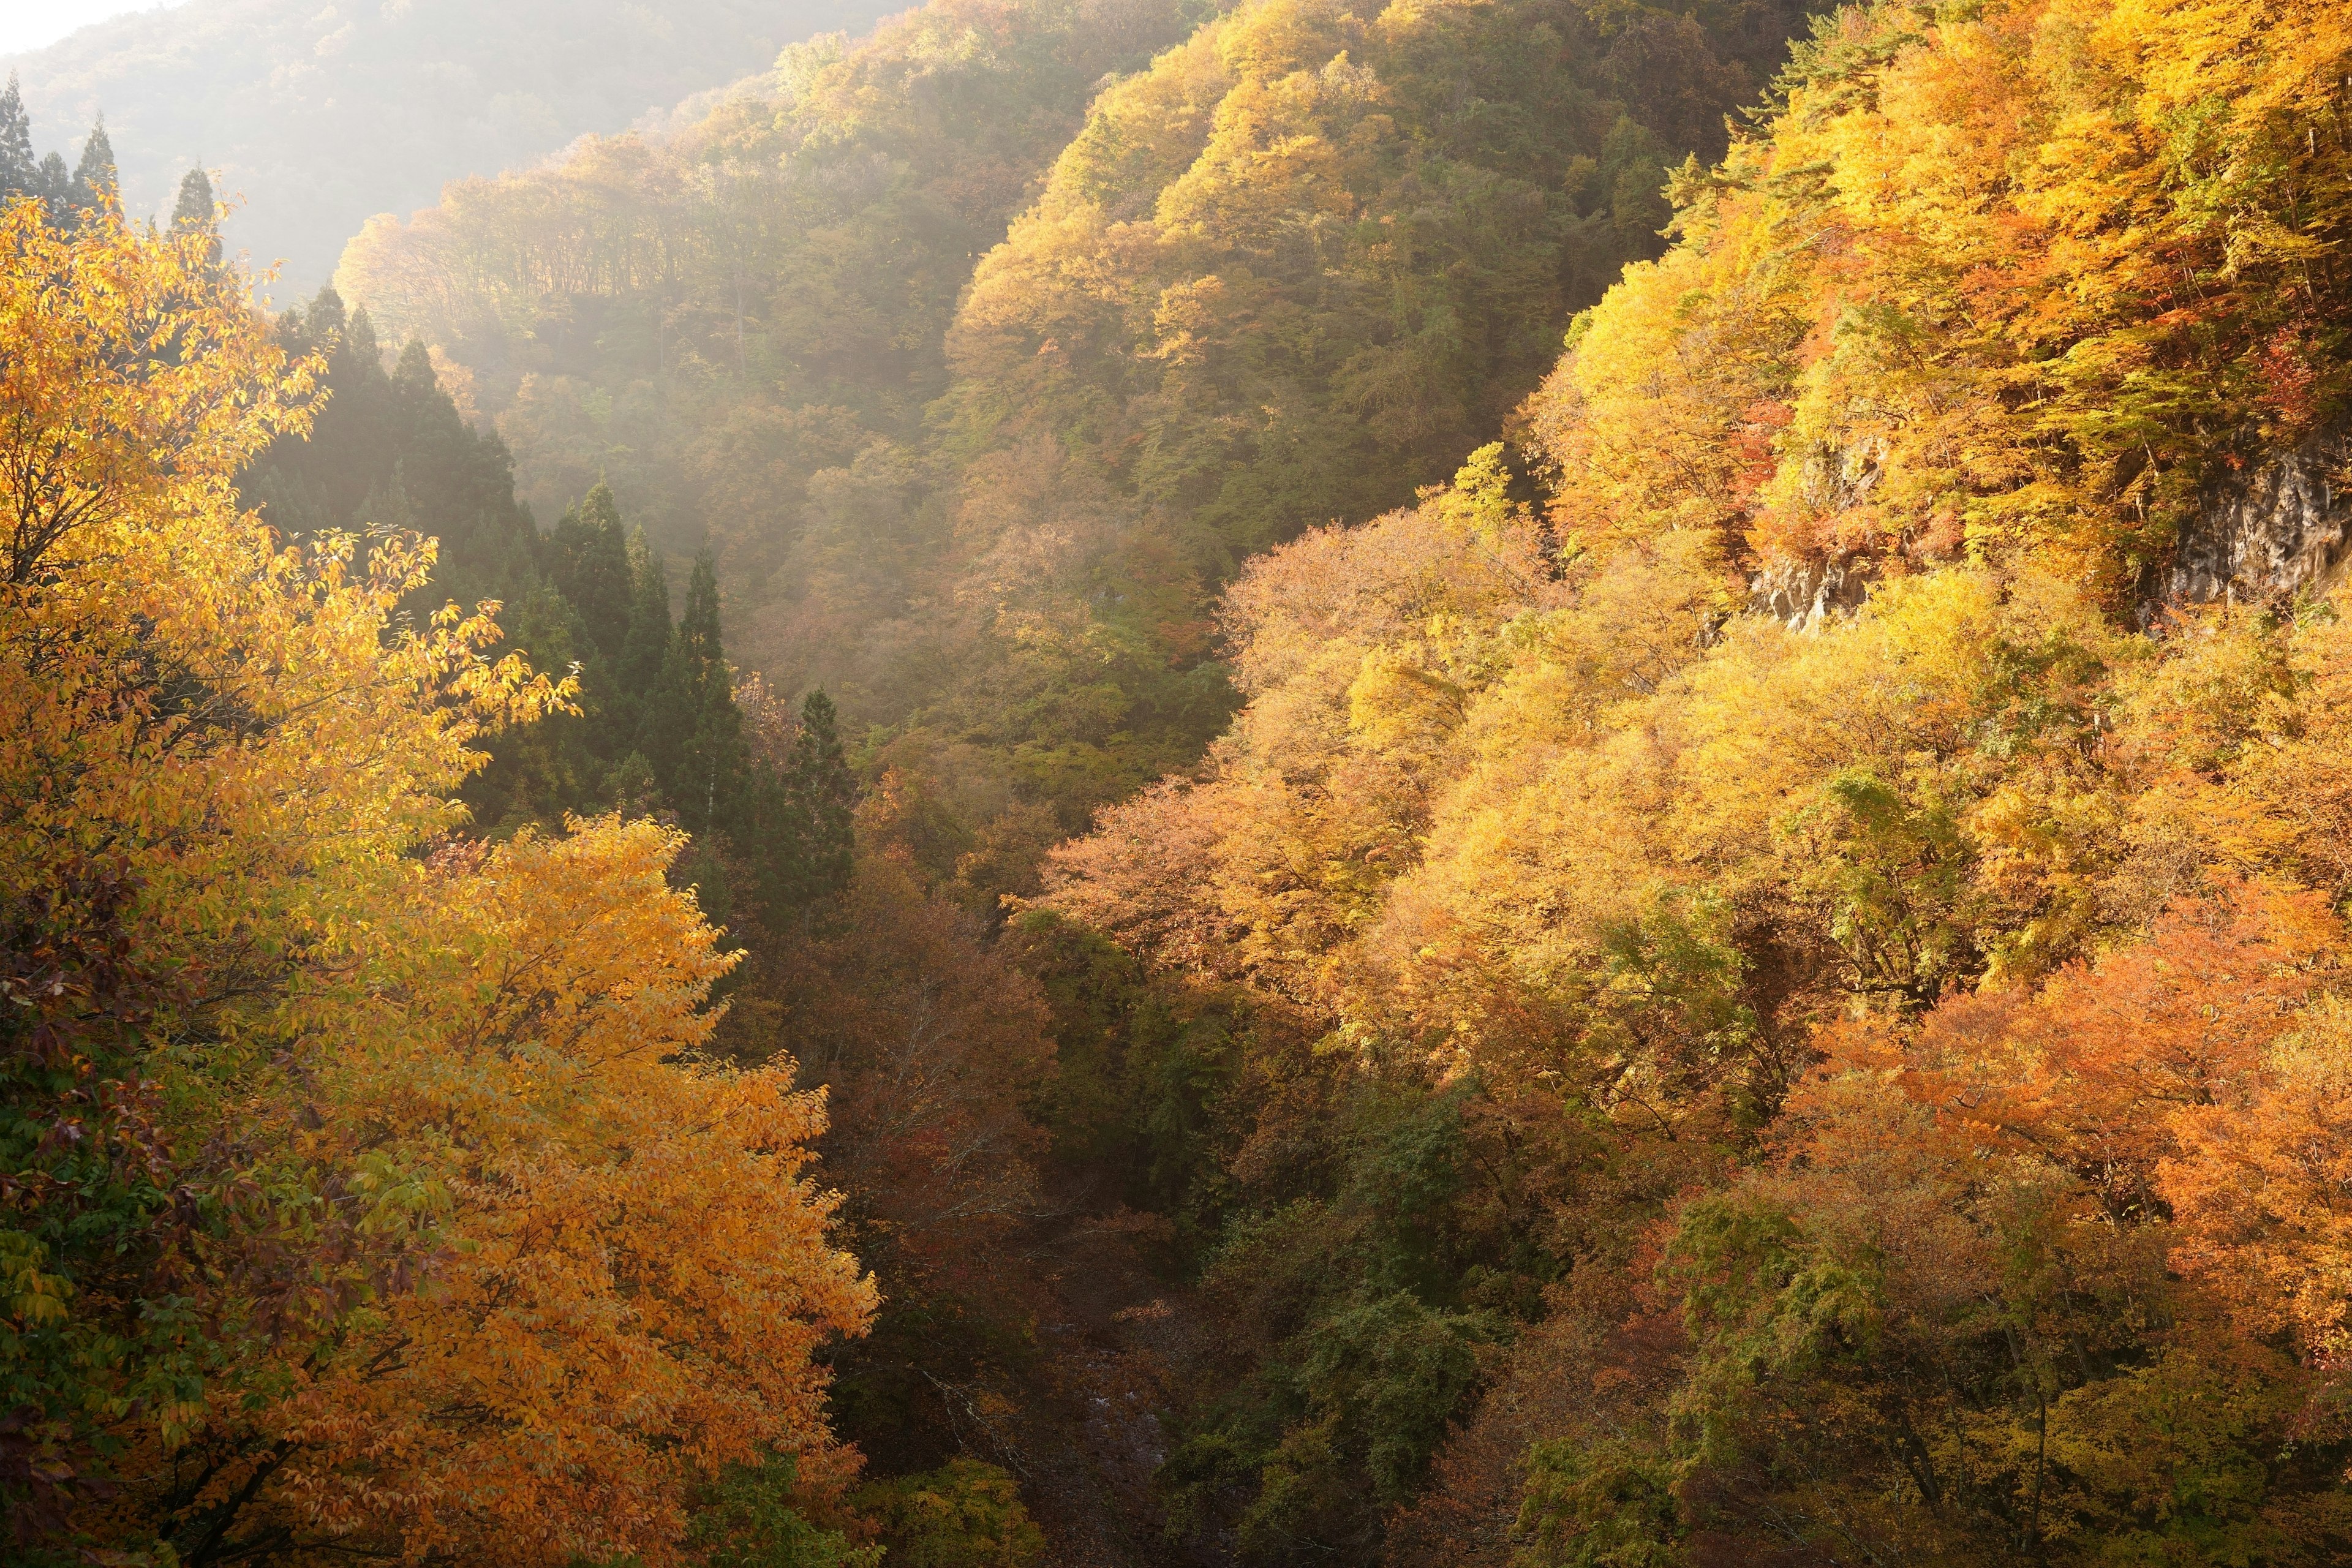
(30, 24)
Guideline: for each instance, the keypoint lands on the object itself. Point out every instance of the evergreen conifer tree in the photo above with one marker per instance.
(195, 212)
(20, 172)
(328, 320)
(699, 699)
(95, 186)
(824, 800)
(645, 648)
(359, 341)
(797, 824)
(539, 771)
(53, 182)
(588, 561)
(413, 372)
(590, 567)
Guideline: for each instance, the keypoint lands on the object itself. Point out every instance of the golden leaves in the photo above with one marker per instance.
(137, 381)
(494, 1262)
(2019, 279)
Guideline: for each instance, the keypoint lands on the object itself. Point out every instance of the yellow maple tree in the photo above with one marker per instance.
(453, 1241)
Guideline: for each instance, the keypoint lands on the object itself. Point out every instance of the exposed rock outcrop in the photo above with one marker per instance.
(1800, 593)
(2270, 533)
(2280, 529)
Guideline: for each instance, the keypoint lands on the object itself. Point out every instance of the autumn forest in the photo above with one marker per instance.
(1206, 784)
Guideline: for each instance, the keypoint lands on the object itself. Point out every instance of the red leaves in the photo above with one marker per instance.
(2094, 1071)
(2290, 383)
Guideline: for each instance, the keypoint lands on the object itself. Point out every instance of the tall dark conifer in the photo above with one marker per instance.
(196, 213)
(703, 774)
(193, 213)
(53, 182)
(824, 800)
(796, 826)
(20, 172)
(637, 676)
(587, 559)
(590, 563)
(95, 185)
(412, 373)
(537, 772)
(330, 327)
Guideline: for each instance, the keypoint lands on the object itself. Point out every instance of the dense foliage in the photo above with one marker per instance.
(1287, 269)
(1758, 976)
(1986, 291)
(1512, 974)
(366, 1189)
(710, 316)
(1879, 1068)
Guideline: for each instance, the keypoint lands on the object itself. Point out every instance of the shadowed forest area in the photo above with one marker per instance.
(1504, 782)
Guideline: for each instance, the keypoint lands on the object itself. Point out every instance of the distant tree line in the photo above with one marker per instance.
(91, 185)
(659, 726)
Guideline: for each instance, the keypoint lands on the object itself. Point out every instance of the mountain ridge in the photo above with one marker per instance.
(320, 118)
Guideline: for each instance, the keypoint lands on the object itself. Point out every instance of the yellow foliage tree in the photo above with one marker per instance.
(2019, 280)
(424, 1228)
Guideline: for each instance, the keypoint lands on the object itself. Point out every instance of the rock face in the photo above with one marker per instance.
(1801, 595)
(2269, 534)
(2266, 535)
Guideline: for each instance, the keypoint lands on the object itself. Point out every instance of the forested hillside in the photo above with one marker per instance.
(1800, 966)
(1509, 783)
(1283, 272)
(320, 116)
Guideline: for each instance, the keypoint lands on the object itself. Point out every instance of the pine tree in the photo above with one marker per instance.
(20, 172)
(327, 321)
(704, 772)
(591, 566)
(537, 772)
(824, 799)
(588, 560)
(95, 186)
(357, 345)
(797, 824)
(413, 372)
(53, 182)
(195, 213)
(635, 677)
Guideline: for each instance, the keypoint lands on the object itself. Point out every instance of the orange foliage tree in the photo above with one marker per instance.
(422, 1223)
(1940, 1321)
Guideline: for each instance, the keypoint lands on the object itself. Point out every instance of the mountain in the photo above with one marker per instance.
(985, 353)
(318, 116)
(1759, 976)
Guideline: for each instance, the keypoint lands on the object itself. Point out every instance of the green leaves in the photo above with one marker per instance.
(752, 1520)
(966, 1514)
(1600, 1505)
(1894, 869)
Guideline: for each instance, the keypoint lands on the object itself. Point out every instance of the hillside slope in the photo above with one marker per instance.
(322, 115)
(1760, 978)
(982, 366)
(1817, 923)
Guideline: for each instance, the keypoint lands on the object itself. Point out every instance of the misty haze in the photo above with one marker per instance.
(1176, 783)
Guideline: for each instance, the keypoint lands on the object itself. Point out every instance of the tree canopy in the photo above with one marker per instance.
(1490, 783)
(368, 1189)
